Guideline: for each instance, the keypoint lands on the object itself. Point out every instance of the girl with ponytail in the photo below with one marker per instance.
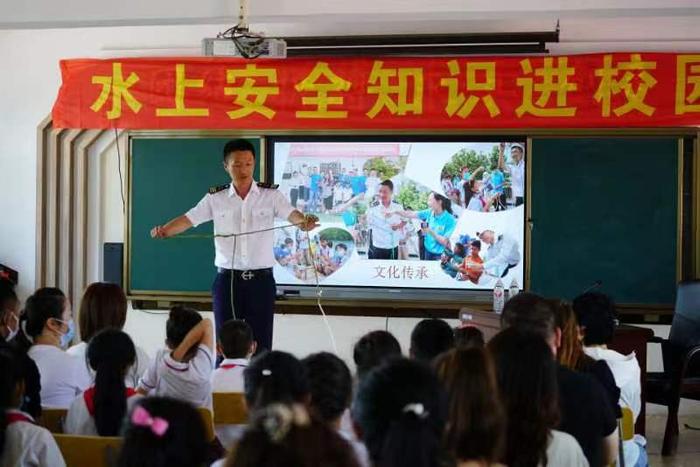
(400, 414)
(22, 441)
(101, 409)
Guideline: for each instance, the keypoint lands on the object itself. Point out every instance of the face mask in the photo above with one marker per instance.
(10, 332)
(67, 338)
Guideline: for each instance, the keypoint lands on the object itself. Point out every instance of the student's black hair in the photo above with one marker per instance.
(183, 444)
(10, 376)
(459, 249)
(181, 320)
(430, 338)
(330, 384)
(342, 246)
(530, 312)
(238, 145)
(596, 313)
(468, 337)
(389, 184)
(527, 378)
(288, 240)
(275, 377)
(8, 296)
(400, 409)
(444, 202)
(476, 243)
(110, 353)
(235, 338)
(373, 349)
(43, 305)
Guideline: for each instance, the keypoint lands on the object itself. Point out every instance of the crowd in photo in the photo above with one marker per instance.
(545, 391)
(308, 257)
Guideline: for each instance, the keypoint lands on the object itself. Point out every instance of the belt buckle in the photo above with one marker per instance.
(247, 275)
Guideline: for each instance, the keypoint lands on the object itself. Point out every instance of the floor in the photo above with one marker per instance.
(688, 454)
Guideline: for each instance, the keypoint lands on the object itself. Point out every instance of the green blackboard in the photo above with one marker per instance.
(605, 209)
(168, 177)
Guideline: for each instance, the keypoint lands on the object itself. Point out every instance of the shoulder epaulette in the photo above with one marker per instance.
(271, 186)
(216, 189)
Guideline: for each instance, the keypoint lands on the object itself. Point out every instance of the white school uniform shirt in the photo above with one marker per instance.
(189, 381)
(563, 449)
(517, 178)
(131, 380)
(79, 420)
(229, 378)
(382, 234)
(231, 214)
(29, 445)
(61, 375)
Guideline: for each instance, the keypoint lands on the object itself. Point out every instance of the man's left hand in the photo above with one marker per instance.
(310, 222)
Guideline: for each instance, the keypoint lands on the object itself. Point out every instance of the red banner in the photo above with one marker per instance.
(598, 90)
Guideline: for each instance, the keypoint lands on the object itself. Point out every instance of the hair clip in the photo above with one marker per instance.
(416, 409)
(266, 372)
(278, 419)
(141, 417)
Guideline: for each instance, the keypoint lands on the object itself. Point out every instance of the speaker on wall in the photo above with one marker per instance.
(113, 263)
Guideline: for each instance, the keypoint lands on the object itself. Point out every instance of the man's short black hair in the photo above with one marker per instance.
(238, 145)
(181, 320)
(528, 312)
(236, 337)
(476, 243)
(595, 312)
(389, 184)
(430, 338)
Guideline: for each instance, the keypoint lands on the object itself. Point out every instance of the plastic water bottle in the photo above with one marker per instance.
(498, 296)
(513, 290)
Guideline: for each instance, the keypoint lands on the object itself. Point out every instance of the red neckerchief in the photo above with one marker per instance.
(14, 417)
(229, 366)
(89, 398)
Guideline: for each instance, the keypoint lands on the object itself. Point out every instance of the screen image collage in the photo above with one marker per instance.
(444, 215)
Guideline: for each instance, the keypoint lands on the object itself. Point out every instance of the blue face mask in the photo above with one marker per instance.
(67, 338)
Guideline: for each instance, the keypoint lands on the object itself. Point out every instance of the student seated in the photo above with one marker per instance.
(100, 410)
(103, 306)
(373, 349)
(330, 384)
(184, 369)
(430, 338)
(236, 345)
(163, 432)
(586, 413)
(475, 433)
(596, 314)
(275, 376)
(22, 441)
(50, 325)
(467, 337)
(286, 435)
(527, 378)
(400, 414)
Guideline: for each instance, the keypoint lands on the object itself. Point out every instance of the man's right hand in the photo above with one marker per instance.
(158, 232)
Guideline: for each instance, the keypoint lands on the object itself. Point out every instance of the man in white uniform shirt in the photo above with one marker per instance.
(385, 225)
(239, 207)
(502, 255)
(516, 169)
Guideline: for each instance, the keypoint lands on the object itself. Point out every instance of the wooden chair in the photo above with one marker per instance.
(627, 424)
(208, 419)
(681, 358)
(52, 419)
(230, 408)
(88, 451)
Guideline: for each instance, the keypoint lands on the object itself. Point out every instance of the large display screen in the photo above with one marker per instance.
(402, 214)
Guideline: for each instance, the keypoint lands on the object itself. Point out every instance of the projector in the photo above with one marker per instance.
(255, 47)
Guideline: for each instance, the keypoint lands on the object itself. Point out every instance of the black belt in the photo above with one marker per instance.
(246, 274)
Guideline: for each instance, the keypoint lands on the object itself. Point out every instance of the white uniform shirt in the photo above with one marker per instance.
(503, 253)
(79, 421)
(61, 374)
(233, 215)
(29, 445)
(189, 381)
(382, 234)
(132, 376)
(563, 449)
(627, 374)
(229, 378)
(517, 178)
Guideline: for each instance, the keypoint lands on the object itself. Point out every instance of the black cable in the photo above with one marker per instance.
(119, 166)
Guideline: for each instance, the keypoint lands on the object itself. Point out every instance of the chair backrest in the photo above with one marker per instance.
(685, 328)
(208, 419)
(88, 451)
(230, 408)
(627, 424)
(52, 419)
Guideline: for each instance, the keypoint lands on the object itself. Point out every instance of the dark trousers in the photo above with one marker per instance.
(519, 200)
(253, 302)
(382, 253)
